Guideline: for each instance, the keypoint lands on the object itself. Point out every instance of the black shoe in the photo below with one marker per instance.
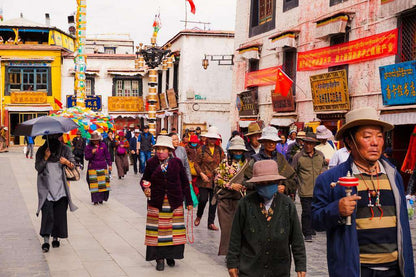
(119, 177)
(95, 203)
(160, 265)
(101, 202)
(170, 262)
(55, 243)
(308, 238)
(45, 247)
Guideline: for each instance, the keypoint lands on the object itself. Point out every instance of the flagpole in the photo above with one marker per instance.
(186, 16)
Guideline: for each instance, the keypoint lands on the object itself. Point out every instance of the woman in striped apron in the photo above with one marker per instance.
(165, 184)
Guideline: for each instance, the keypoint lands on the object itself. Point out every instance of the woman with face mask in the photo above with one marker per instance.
(165, 185)
(228, 188)
(266, 229)
(53, 190)
(191, 152)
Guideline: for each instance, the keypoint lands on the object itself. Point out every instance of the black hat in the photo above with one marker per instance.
(311, 137)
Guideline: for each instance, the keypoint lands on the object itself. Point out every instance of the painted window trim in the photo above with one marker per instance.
(140, 80)
(48, 89)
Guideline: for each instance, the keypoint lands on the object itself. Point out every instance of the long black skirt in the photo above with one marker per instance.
(54, 218)
(165, 252)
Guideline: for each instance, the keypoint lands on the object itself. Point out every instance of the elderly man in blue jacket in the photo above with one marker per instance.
(378, 241)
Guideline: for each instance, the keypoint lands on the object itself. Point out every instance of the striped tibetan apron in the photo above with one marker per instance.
(165, 227)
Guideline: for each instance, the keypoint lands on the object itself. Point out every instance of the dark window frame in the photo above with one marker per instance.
(253, 65)
(407, 29)
(176, 76)
(290, 4)
(26, 71)
(110, 48)
(255, 27)
(336, 2)
(339, 39)
(118, 78)
(290, 65)
(159, 81)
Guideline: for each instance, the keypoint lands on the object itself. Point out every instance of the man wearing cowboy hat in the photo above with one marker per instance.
(295, 148)
(326, 146)
(378, 241)
(308, 164)
(253, 135)
(269, 138)
(265, 231)
(78, 148)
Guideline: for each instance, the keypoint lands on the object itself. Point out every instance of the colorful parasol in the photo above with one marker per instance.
(87, 120)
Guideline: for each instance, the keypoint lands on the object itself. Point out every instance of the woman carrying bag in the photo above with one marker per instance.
(165, 184)
(98, 179)
(228, 188)
(122, 161)
(53, 190)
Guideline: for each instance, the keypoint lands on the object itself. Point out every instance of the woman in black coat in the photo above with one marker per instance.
(165, 184)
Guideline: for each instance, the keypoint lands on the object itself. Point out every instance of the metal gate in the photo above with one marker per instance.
(408, 37)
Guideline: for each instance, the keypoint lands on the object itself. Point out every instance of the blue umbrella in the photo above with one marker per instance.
(45, 125)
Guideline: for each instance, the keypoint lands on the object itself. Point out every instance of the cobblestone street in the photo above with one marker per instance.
(103, 240)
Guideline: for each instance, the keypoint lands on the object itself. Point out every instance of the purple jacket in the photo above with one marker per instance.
(100, 159)
(174, 183)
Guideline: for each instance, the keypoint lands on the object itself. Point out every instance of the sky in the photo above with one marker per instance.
(133, 17)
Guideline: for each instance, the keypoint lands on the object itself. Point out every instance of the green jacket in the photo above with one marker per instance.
(308, 169)
(263, 248)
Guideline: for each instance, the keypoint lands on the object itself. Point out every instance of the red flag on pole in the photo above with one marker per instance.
(57, 102)
(283, 83)
(191, 2)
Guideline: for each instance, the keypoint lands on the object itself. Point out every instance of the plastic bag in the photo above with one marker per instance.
(25, 150)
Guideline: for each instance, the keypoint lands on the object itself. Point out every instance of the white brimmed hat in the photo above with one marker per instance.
(95, 136)
(164, 141)
(137, 130)
(237, 143)
(323, 133)
(362, 117)
(212, 133)
(270, 133)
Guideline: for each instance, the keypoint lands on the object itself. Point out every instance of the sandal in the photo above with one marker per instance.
(197, 221)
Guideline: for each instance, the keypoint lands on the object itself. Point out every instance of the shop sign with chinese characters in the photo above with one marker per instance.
(247, 103)
(282, 103)
(398, 83)
(125, 104)
(28, 97)
(92, 102)
(330, 91)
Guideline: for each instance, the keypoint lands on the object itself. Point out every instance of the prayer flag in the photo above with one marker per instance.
(57, 102)
(191, 2)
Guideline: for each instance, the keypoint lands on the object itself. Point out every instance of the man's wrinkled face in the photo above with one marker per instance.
(369, 142)
(269, 145)
(308, 146)
(254, 140)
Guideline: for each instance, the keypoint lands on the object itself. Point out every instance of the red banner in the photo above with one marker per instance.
(263, 77)
(360, 50)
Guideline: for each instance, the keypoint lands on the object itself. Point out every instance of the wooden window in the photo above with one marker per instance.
(265, 11)
(28, 79)
(262, 16)
(253, 65)
(109, 50)
(289, 65)
(290, 4)
(90, 86)
(338, 39)
(128, 87)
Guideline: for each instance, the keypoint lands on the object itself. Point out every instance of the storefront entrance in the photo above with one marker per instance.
(15, 118)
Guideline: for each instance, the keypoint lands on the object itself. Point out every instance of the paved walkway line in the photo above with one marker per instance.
(104, 240)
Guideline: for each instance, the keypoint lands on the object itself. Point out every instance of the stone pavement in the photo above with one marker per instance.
(104, 240)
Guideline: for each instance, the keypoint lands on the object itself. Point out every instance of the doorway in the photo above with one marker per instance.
(15, 118)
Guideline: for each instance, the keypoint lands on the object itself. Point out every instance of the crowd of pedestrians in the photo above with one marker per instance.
(253, 186)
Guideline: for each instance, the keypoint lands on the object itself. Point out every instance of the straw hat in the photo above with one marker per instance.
(362, 117)
(270, 133)
(164, 141)
(95, 136)
(264, 171)
(212, 133)
(323, 133)
(253, 129)
(237, 143)
(311, 137)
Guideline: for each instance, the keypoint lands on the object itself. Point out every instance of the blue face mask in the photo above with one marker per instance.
(267, 192)
(238, 157)
(193, 144)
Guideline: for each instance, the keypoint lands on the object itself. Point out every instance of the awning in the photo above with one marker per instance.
(126, 72)
(250, 51)
(282, 121)
(401, 118)
(89, 71)
(286, 39)
(245, 123)
(28, 108)
(333, 25)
